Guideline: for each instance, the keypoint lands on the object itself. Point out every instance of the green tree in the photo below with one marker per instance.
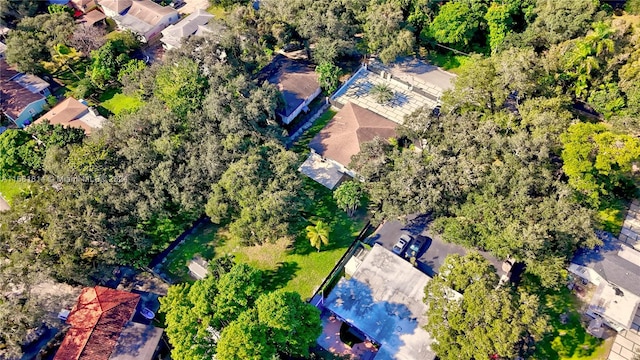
(180, 86)
(107, 61)
(237, 292)
(18, 150)
(385, 31)
(599, 162)
(499, 20)
(318, 234)
(457, 23)
(557, 21)
(632, 7)
(348, 196)
(487, 319)
(329, 77)
(56, 135)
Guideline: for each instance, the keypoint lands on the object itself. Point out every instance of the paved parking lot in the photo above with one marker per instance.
(435, 250)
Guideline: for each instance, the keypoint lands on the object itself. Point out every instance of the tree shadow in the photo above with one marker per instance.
(279, 277)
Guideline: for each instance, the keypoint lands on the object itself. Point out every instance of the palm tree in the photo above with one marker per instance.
(318, 234)
(382, 93)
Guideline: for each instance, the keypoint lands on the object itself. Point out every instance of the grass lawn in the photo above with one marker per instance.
(200, 242)
(448, 61)
(568, 341)
(9, 189)
(218, 11)
(611, 215)
(115, 102)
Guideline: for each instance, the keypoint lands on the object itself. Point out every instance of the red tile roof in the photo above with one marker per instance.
(96, 323)
(14, 98)
(349, 128)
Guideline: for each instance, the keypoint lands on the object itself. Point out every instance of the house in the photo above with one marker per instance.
(194, 24)
(333, 147)
(147, 19)
(383, 302)
(115, 8)
(296, 80)
(74, 113)
(84, 6)
(101, 328)
(614, 270)
(22, 96)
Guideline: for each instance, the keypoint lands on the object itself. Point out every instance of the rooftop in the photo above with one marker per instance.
(96, 323)
(614, 261)
(31, 82)
(92, 17)
(296, 80)
(348, 129)
(118, 6)
(615, 304)
(137, 342)
(73, 113)
(149, 12)
(384, 300)
(327, 173)
(188, 26)
(14, 97)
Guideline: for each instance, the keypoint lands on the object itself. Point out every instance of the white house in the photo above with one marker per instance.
(194, 24)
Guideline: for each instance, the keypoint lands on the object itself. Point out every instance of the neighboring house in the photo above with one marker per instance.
(74, 113)
(383, 302)
(115, 8)
(83, 5)
(333, 147)
(102, 328)
(296, 80)
(147, 19)
(194, 24)
(614, 269)
(22, 96)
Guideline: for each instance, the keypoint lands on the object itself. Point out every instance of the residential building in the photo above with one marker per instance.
(296, 80)
(383, 302)
(614, 270)
(115, 8)
(334, 146)
(74, 113)
(194, 24)
(147, 19)
(22, 96)
(102, 328)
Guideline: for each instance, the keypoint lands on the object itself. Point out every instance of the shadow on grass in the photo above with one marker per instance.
(280, 276)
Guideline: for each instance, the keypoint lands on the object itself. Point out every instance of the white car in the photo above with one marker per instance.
(399, 247)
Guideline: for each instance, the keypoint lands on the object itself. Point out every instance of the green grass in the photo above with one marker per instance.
(9, 189)
(200, 242)
(218, 11)
(568, 341)
(448, 61)
(611, 215)
(115, 102)
(69, 77)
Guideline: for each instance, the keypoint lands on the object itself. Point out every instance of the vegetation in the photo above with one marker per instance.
(318, 234)
(348, 196)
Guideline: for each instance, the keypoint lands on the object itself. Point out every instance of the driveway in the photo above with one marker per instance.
(192, 5)
(435, 250)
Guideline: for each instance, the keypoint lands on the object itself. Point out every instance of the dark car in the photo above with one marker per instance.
(402, 243)
(415, 247)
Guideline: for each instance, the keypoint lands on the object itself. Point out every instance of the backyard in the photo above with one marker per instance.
(9, 189)
(115, 102)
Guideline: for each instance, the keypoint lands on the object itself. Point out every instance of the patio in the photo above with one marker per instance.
(330, 341)
(404, 102)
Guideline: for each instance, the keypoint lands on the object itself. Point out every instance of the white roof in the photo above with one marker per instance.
(31, 82)
(618, 305)
(325, 172)
(149, 12)
(191, 25)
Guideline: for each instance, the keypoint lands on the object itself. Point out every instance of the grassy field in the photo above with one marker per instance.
(448, 61)
(568, 341)
(201, 242)
(218, 11)
(9, 189)
(115, 102)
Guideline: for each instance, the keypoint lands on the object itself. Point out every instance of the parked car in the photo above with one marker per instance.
(415, 247)
(402, 243)
(176, 3)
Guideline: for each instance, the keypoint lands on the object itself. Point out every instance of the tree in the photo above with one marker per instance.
(499, 20)
(457, 23)
(180, 86)
(34, 40)
(632, 7)
(280, 323)
(56, 135)
(18, 150)
(599, 162)
(487, 319)
(87, 38)
(107, 61)
(382, 93)
(348, 196)
(237, 292)
(385, 31)
(318, 234)
(329, 77)
(557, 21)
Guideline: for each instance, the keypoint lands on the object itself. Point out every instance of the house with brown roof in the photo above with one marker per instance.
(297, 82)
(102, 328)
(147, 19)
(73, 113)
(342, 138)
(22, 96)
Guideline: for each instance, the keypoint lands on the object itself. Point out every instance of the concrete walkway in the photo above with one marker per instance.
(625, 346)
